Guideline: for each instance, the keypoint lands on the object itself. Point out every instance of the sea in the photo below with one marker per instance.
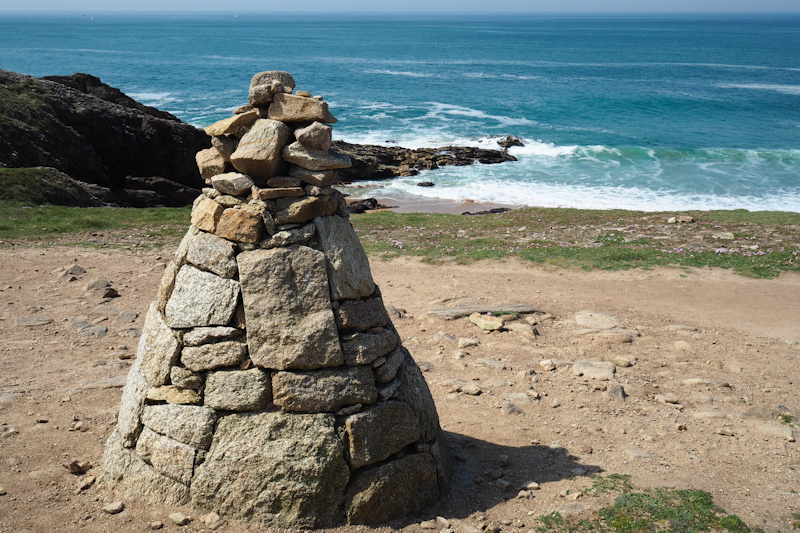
(651, 113)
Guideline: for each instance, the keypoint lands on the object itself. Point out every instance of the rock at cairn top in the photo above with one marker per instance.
(270, 384)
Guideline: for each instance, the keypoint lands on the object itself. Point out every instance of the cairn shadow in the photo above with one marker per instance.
(477, 466)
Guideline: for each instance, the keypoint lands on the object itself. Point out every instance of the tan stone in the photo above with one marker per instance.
(314, 159)
(232, 183)
(318, 178)
(210, 163)
(160, 348)
(235, 125)
(174, 395)
(259, 150)
(301, 210)
(225, 145)
(288, 108)
(206, 213)
(241, 225)
(284, 181)
(280, 192)
(317, 135)
(263, 86)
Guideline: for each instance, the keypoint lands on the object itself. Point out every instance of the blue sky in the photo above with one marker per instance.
(458, 6)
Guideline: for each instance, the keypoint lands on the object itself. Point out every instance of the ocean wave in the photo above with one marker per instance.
(486, 76)
(154, 99)
(785, 89)
(408, 73)
(438, 109)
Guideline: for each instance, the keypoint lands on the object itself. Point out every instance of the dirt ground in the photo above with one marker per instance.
(706, 348)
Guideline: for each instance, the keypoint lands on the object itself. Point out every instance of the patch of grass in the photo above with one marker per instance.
(768, 242)
(609, 483)
(72, 225)
(787, 419)
(650, 510)
(40, 185)
(796, 521)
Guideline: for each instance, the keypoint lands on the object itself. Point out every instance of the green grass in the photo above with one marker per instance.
(73, 225)
(796, 521)
(39, 185)
(769, 242)
(649, 510)
(787, 419)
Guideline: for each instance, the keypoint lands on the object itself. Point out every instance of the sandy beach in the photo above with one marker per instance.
(711, 357)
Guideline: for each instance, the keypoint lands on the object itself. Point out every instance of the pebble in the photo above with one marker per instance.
(585, 448)
(467, 343)
(725, 431)
(531, 485)
(442, 523)
(179, 519)
(212, 520)
(503, 484)
(86, 482)
(3, 491)
(547, 365)
(114, 507)
(156, 525)
(428, 524)
(524, 495)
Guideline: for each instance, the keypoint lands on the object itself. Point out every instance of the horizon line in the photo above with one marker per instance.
(378, 12)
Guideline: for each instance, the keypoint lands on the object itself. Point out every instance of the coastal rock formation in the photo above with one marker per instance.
(270, 384)
(377, 162)
(130, 154)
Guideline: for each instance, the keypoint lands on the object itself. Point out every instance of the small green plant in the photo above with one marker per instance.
(611, 482)
(796, 521)
(787, 419)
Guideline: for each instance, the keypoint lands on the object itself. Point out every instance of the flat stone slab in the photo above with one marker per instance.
(279, 469)
(32, 321)
(198, 336)
(348, 267)
(388, 370)
(216, 355)
(169, 457)
(209, 252)
(201, 299)
(238, 390)
(287, 307)
(414, 391)
(325, 390)
(600, 370)
(460, 311)
(159, 348)
(400, 488)
(189, 424)
(380, 431)
(290, 108)
(313, 159)
(597, 320)
(364, 348)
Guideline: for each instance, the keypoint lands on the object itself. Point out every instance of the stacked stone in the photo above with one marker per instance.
(270, 383)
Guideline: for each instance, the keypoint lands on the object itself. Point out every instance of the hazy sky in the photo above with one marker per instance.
(454, 6)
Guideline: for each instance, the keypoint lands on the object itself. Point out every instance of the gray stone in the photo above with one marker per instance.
(93, 332)
(313, 159)
(304, 209)
(360, 315)
(124, 470)
(285, 238)
(261, 86)
(159, 348)
(616, 392)
(169, 457)
(259, 150)
(597, 320)
(313, 190)
(289, 108)
(415, 393)
(189, 424)
(387, 371)
(601, 370)
(760, 412)
(225, 145)
(364, 348)
(388, 391)
(134, 394)
(325, 390)
(32, 321)
(238, 390)
(317, 178)
(201, 299)
(281, 470)
(397, 489)
(215, 355)
(185, 378)
(232, 183)
(317, 135)
(462, 310)
(198, 336)
(281, 182)
(287, 308)
(380, 431)
(209, 252)
(348, 267)
(284, 192)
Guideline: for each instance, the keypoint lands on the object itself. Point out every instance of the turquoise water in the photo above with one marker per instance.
(650, 113)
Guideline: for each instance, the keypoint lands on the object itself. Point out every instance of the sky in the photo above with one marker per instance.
(411, 6)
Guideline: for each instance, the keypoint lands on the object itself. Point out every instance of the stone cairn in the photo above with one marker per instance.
(270, 384)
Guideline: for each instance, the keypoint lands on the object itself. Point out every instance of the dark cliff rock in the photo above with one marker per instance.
(372, 162)
(95, 134)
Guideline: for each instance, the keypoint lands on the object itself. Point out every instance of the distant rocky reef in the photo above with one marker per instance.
(120, 152)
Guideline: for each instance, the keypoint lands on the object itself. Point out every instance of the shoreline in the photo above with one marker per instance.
(439, 205)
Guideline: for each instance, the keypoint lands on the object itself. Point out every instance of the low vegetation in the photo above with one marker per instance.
(757, 244)
(648, 510)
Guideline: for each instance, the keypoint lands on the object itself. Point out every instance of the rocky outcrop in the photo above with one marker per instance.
(132, 155)
(372, 162)
(270, 383)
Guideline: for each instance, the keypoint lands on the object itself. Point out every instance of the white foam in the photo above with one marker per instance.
(153, 98)
(400, 73)
(785, 89)
(438, 109)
